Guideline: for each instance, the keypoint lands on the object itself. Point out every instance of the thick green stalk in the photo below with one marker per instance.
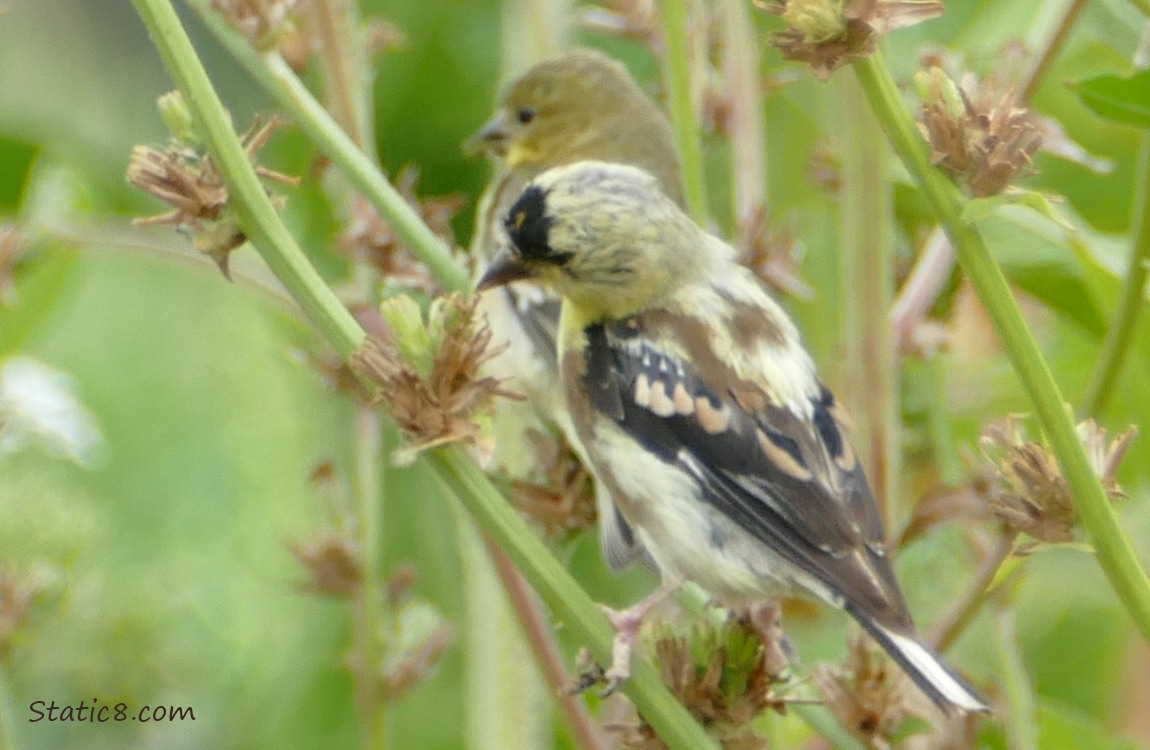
(278, 80)
(262, 224)
(677, 60)
(253, 209)
(1111, 545)
(1124, 322)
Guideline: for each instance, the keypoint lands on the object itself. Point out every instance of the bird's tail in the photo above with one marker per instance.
(945, 688)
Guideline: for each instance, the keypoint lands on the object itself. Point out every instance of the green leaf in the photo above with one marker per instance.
(1125, 100)
(981, 208)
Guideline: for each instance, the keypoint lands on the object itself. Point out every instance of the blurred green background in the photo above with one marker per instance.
(161, 550)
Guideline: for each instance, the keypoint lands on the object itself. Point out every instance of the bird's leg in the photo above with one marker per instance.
(627, 623)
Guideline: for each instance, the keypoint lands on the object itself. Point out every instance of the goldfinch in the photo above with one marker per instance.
(579, 106)
(702, 413)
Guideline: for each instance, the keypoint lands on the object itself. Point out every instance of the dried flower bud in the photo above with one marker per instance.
(771, 253)
(975, 131)
(559, 497)
(332, 561)
(867, 696)
(1029, 493)
(370, 238)
(725, 677)
(263, 22)
(190, 182)
(428, 372)
(827, 34)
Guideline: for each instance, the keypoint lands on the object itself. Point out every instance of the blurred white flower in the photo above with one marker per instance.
(38, 406)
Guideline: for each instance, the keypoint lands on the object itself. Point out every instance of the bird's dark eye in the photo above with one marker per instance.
(525, 115)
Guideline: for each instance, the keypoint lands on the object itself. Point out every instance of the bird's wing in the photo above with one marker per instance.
(789, 479)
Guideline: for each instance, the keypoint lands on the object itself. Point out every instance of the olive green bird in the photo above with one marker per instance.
(576, 107)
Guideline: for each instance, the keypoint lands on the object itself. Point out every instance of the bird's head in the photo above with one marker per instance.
(555, 106)
(605, 236)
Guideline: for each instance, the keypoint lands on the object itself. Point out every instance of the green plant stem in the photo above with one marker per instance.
(677, 60)
(278, 80)
(1124, 321)
(252, 207)
(1020, 721)
(259, 220)
(1112, 547)
(868, 294)
(569, 603)
(368, 451)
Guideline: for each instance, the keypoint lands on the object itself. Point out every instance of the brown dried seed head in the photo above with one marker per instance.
(827, 34)
(430, 379)
(976, 132)
(263, 22)
(1029, 493)
(370, 238)
(333, 564)
(867, 696)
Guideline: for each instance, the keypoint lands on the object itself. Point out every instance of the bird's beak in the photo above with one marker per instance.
(504, 269)
(491, 139)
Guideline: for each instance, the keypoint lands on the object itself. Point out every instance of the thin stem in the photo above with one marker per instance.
(568, 602)
(1020, 721)
(748, 135)
(868, 341)
(1043, 63)
(960, 613)
(278, 80)
(346, 78)
(451, 464)
(368, 453)
(1124, 322)
(677, 60)
(587, 735)
(1112, 547)
(926, 281)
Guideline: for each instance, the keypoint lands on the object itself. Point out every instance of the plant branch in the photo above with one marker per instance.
(570, 604)
(539, 635)
(278, 80)
(454, 468)
(1124, 321)
(1043, 63)
(677, 59)
(346, 79)
(956, 618)
(1112, 547)
(368, 490)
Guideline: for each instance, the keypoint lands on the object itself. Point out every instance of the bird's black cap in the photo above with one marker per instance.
(528, 225)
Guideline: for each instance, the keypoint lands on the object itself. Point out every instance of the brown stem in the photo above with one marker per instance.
(522, 599)
(955, 620)
(1046, 59)
(341, 49)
